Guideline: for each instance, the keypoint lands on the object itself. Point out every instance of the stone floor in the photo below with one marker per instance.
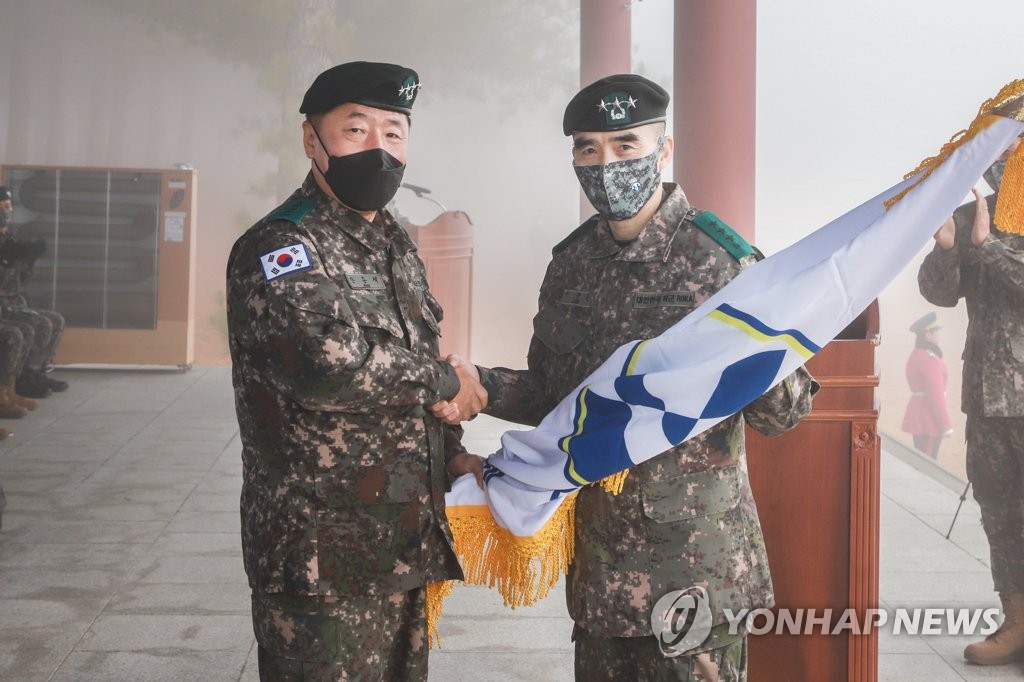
(119, 554)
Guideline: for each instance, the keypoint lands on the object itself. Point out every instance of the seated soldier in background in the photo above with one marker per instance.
(16, 339)
(17, 258)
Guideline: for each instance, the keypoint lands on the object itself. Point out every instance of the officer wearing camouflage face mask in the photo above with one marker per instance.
(685, 520)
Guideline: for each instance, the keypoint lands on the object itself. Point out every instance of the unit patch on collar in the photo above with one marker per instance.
(285, 261)
(654, 299)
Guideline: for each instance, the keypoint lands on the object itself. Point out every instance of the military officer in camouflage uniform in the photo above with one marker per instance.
(334, 340)
(41, 328)
(685, 519)
(974, 260)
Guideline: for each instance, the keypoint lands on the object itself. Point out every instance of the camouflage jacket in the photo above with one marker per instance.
(990, 278)
(333, 361)
(12, 279)
(687, 516)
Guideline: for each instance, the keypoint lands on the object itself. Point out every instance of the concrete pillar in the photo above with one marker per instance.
(714, 107)
(605, 49)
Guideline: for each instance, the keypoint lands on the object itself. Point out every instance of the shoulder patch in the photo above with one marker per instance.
(724, 236)
(285, 261)
(575, 234)
(293, 210)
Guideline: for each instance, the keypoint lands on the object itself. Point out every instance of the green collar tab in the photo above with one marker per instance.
(725, 236)
(293, 210)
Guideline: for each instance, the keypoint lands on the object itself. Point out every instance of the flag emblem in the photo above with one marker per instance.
(285, 260)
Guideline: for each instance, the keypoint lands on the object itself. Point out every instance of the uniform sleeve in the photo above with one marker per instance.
(298, 332)
(523, 396)
(518, 395)
(1004, 259)
(784, 406)
(452, 442)
(940, 277)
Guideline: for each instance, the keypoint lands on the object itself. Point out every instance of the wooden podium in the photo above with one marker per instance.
(817, 493)
(446, 246)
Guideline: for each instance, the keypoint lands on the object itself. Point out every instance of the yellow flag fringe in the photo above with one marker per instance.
(436, 594)
(613, 484)
(983, 120)
(1009, 215)
(523, 570)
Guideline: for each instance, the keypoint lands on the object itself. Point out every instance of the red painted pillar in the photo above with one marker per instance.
(605, 39)
(605, 49)
(714, 107)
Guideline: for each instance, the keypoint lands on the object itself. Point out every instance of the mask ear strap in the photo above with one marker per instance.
(322, 146)
(657, 150)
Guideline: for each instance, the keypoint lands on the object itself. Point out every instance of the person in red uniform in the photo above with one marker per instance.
(927, 417)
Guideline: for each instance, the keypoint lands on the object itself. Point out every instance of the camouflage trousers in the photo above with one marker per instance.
(995, 467)
(379, 639)
(639, 659)
(13, 351)
(48, 326)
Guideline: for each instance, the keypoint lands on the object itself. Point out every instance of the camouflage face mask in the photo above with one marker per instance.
(618, 190)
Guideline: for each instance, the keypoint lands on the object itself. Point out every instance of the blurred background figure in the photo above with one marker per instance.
(42, 329)
(983, 263)
(927, 416)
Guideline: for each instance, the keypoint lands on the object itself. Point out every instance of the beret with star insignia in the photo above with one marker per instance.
(378, 85)
(625, 100)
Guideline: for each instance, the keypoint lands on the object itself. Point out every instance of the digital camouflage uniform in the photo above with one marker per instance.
(47, 325)
(15, 345)
(685, 517)
(343, 469)
(990, 278)
(11, 354)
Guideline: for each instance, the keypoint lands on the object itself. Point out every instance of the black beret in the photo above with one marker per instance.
(614, 103)
(382, 86)
(924, 324)
(5, 193)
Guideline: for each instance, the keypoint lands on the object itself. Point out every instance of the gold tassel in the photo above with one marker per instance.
(1010, 202)
(523, 570)
(983, 120)
(613, 484)
(436, 594)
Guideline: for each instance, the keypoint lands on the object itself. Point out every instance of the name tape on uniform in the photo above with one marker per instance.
(285, 260)
(361, 280)
(654, 299)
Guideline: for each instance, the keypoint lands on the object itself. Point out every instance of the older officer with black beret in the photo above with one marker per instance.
(334, 339)
(684, 530)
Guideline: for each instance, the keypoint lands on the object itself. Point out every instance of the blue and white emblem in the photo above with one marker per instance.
(285, 260)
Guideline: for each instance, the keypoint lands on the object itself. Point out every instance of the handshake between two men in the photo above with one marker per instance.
(471, 398)
(467, 403)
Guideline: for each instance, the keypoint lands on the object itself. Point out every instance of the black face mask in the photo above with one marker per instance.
(364, 181)
(5, 218)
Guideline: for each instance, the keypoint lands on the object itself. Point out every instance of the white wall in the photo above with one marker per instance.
(851, 96)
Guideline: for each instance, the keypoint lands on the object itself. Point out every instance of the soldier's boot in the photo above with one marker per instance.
(32, 383)
(8, 408)
(1006, 644)
(4, 433)
(19, 400)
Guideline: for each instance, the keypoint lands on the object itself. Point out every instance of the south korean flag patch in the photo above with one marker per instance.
(285, 261)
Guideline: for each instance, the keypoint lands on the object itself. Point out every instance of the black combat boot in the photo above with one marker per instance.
(32, 384)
